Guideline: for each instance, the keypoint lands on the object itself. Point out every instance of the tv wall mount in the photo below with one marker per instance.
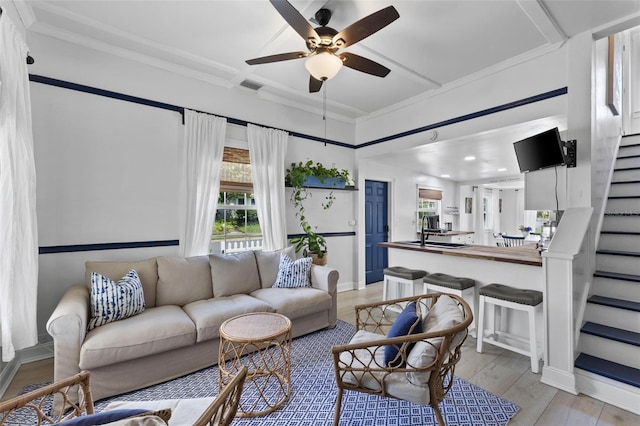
(570, 156)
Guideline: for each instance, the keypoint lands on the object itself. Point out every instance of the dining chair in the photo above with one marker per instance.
(511, 241)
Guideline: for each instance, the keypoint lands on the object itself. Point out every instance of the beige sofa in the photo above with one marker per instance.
(178, 332)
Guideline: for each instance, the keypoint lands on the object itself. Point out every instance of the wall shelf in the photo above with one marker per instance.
(346, 188)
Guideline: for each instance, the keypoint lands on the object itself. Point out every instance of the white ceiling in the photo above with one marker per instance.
(433, 44)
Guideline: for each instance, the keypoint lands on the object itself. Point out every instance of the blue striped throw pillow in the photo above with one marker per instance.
(293, 274)
(112, 301)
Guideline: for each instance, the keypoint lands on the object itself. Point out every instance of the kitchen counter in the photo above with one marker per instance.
(524, 255)
(450, 236)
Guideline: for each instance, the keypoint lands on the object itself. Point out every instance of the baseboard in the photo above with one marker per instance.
(35, 353)
(610, 391)
(346, 287)
(559, 379)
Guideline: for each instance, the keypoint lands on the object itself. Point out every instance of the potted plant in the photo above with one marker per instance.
(299, 177)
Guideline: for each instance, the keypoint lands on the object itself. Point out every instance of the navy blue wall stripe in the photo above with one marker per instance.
(121, 96)
(488, 111)
(107, 246)
(326, 234)
(145, 244)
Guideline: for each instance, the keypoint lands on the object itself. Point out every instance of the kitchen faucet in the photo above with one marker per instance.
(422, 233)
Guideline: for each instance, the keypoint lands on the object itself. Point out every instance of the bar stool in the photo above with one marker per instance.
(462, 287)
(401, 275)
(503, 296)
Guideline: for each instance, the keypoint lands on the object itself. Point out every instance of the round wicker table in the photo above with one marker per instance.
(262, 342)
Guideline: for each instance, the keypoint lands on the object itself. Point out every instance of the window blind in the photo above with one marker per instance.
(429, 194)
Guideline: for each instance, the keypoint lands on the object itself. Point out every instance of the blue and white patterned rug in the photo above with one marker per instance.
(313, 394)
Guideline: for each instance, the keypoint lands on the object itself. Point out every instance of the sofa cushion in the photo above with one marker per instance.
(183, 280)
(147, 271)
(103, 417)
(293, 273)
(295, 302)
(269, 264)
(208, 315)
(155, 330)
(234, 273)
(113, 301)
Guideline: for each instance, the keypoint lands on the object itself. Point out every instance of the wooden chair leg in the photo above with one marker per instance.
(436, 409)
(336, 415)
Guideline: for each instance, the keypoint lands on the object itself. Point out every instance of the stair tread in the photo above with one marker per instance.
(618, 252)
(613, 333)
(612, 370)
(617, 276)
(615, 303)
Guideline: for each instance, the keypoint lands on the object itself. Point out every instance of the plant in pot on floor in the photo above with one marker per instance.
(300, 176)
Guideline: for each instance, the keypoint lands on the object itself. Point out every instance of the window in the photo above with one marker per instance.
(236, 227)
(429, 204)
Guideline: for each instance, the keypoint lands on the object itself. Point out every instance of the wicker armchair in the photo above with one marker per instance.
(221, 411)
(74, 388)
(359, 366)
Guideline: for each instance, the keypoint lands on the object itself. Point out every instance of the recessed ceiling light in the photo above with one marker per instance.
(502, 169)
(469, 158)
(445, 176)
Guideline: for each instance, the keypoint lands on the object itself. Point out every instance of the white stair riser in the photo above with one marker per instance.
(630, 140)
(621, 223)
(623, 205)
(621, 242)
(611, 350)
(620, 264)
(626, 150)
(617, 289)
(625, 190)
(613, 317)
(625, 175)
(625, 163)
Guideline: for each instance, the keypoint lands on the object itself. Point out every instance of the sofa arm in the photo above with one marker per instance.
(68, 327)
(326, 279)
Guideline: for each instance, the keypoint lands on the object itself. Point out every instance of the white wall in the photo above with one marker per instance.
(110, 171)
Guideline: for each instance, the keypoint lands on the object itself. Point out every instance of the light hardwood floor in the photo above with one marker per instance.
(499, 371)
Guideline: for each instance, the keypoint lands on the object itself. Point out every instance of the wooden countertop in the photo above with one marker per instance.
(525, 255)
(444, 234)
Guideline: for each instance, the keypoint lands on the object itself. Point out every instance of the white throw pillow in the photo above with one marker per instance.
(444, 314)
(293, 274)
(113, 301)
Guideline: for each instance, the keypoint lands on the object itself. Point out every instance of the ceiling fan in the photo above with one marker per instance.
(323, 61)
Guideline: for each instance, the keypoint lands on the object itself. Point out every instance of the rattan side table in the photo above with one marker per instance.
(262, 342)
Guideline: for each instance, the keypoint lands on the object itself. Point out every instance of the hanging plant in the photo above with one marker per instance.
(301, 176)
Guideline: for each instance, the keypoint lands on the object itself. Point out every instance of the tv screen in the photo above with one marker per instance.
(540, 151)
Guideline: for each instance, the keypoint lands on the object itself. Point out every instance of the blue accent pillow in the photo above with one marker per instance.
(103, 417)
(113, 301)
(408, 322)
(293, 274)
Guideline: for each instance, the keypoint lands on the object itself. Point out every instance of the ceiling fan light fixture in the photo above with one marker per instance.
(323, 66)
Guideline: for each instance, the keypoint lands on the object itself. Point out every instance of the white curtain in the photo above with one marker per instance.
(18, 225)
(204, 136)
(267, 150)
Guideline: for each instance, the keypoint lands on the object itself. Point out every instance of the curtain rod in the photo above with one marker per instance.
(30, 59)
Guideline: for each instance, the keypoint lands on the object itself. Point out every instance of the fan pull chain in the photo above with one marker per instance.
(324, 111)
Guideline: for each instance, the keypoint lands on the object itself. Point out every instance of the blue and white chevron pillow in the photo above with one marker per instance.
(113, 301)
(293, 274)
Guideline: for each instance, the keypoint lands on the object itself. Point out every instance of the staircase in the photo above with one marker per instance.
(609, 343)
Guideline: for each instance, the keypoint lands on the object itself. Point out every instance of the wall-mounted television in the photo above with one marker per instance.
(540, 151)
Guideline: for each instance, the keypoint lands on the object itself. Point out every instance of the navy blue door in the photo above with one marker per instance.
(376, 229)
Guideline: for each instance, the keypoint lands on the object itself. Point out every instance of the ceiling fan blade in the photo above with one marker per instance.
(277, 58)
(314, 84)
(363, 64)
(365, 27)
(296, 20)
